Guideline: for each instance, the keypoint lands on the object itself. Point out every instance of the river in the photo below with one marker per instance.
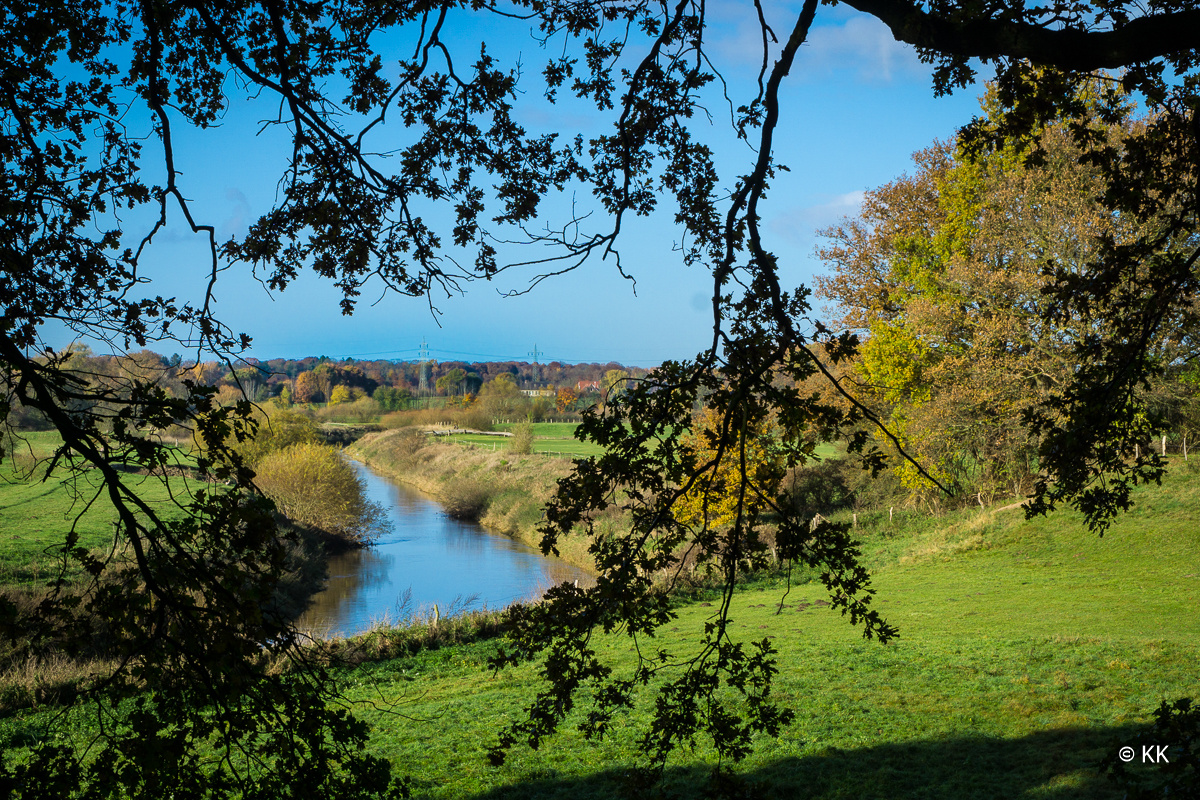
(431, 559)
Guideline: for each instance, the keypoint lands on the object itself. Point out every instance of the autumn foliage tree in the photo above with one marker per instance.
(943, 271)
(565, 398)
(308, 389)
(718, 496)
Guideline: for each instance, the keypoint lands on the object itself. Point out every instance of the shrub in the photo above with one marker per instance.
(466, 499)
(313, 485)
(397, 419)
(364, 409)
(478, 419)
(522, 438)
(819, 488)
(280, 429)
(475, 417)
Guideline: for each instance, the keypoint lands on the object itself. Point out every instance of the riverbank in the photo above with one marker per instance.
(503, 492)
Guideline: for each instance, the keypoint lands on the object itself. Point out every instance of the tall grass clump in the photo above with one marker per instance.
(521, 442)
(313, 485)
(466, 499)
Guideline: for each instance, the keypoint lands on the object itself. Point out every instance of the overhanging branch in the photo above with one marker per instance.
(1139, 40)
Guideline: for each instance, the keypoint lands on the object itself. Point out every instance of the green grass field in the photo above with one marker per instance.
(558, 437)
(35, 514)
(1027, 652)
(549, 437)
(546, 430)
(570, 447)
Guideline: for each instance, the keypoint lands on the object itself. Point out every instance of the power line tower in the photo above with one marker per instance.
(423, 355)
(535, 353)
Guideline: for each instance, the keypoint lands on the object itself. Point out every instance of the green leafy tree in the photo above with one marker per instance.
(451, 382)
(80, 77)
(500, 397)
(391, 398)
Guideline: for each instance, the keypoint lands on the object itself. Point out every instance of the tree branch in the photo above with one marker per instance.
(1141, 39)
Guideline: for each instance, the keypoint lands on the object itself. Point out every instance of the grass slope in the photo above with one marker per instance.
(1028, 651)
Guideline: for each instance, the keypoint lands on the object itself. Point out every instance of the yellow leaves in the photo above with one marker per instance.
(742, 476)
(312, 484)
(895, 361)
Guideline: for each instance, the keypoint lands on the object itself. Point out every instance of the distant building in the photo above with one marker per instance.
(538, 392)
(587, 387)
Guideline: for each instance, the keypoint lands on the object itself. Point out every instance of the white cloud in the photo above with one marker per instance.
(854, 45)
(800, 225)
(863, 45)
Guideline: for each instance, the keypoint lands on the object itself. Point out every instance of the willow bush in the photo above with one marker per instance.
(313, 485)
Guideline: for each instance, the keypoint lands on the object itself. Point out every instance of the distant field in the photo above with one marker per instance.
(557, 437)
(570, 447)
(829, 450)
(550, 430)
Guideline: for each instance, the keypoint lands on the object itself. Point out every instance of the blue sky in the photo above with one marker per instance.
(855, 108)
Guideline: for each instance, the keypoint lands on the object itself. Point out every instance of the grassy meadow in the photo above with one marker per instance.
(558, 438)
(35, 513)
(541, 444)
(1028, 651)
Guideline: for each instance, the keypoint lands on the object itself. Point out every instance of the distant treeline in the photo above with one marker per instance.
(319, 380)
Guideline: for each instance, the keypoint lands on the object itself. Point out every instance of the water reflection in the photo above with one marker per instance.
(439, 559)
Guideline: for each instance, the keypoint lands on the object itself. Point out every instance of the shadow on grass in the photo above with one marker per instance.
(1058, 764)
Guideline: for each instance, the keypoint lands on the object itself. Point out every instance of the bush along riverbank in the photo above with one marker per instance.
(501, 491)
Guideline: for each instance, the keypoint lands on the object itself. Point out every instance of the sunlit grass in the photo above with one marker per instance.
(37, 511)
(1027, 651)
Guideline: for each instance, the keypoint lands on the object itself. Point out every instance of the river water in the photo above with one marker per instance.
(430, 558)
